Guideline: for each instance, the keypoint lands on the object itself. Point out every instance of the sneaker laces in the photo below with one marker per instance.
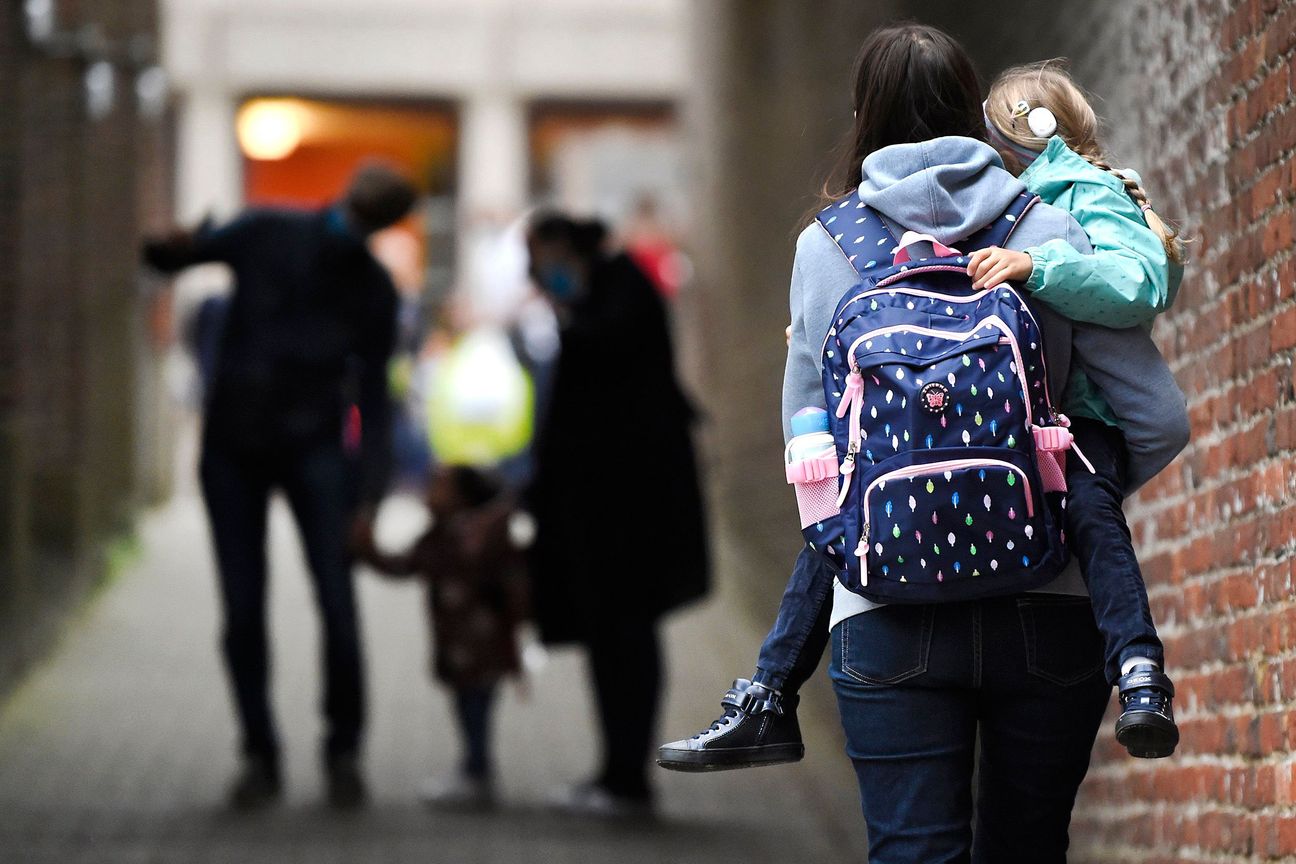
(720, 722)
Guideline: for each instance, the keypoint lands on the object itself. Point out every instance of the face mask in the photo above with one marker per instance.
(340, 226)
(560, 281)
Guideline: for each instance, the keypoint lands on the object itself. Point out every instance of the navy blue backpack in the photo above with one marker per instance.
(950, 485)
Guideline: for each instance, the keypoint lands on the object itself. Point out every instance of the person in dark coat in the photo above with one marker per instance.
(620, 537)
(308, 332)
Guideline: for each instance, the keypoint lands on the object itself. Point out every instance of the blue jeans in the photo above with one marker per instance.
(919, 688)
(791, 651)
(1100, 538)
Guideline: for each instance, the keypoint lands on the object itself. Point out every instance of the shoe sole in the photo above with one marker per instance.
(730, 759)
(1148, 736)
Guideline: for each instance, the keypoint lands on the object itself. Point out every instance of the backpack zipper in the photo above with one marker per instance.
(992, 321)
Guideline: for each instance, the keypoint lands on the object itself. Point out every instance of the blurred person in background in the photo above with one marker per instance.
(651, 245)
(620, 535)
(401, 255)
(202, 333)
(477, 598)
(309, 330)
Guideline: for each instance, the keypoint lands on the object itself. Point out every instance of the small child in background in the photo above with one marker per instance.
(477, 598)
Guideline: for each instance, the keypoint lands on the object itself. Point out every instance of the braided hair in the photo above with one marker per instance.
(1048, 84)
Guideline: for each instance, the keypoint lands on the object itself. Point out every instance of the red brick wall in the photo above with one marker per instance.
(1201, 96)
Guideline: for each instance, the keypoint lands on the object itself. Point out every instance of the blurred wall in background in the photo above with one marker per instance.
(84, 167)
(1198, 95)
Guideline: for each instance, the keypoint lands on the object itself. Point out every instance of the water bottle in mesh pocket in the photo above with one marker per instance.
(812, 469)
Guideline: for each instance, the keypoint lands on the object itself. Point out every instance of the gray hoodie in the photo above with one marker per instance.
(950, 187)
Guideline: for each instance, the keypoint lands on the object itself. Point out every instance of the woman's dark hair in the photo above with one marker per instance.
(475, 487)
(585, 237)
(912, 83)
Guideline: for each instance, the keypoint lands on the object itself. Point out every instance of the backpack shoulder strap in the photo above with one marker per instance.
(1001, 228)
(859, 232)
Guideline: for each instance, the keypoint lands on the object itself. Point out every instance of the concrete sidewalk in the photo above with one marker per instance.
(118, 749)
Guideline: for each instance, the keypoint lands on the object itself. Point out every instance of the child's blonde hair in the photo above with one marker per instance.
(1047, 84)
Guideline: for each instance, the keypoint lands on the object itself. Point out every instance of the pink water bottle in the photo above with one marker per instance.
(811, 463)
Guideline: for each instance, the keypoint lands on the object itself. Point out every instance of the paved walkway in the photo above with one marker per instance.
(119, 747)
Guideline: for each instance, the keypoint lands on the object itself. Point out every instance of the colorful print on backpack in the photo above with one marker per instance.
(936, 394)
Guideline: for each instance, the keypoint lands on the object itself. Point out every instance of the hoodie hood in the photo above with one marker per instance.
(1058, 168)
(947, 187)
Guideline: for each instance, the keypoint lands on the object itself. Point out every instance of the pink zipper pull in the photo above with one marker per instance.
(1083, 458)
(854, 390)
(861, 552)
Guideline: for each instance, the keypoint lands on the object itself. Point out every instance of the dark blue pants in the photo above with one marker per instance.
(794, 646)
(920, 688)
(1100, 539)
(236, 486)
(473, 711)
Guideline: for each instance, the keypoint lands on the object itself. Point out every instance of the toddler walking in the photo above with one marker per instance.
(476, 595)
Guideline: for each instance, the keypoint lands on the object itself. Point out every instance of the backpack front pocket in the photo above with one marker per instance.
(964, 518)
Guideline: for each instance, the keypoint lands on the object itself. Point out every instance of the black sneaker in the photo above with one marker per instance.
(1146, 726)
(757, 728)
(256, 785)
(346, 785)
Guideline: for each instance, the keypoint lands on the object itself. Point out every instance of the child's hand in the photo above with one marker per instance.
(994, 266)
(787, 334)
(361, 536)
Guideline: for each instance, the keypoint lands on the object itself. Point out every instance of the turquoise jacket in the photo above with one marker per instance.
(1126, 282)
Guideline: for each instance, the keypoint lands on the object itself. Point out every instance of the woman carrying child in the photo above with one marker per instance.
(921, 687)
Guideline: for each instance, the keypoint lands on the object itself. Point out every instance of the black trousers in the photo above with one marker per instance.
(236, 486)
(474, 707)
(625, 659)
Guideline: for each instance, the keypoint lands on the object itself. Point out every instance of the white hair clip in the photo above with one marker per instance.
(1042, 123)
